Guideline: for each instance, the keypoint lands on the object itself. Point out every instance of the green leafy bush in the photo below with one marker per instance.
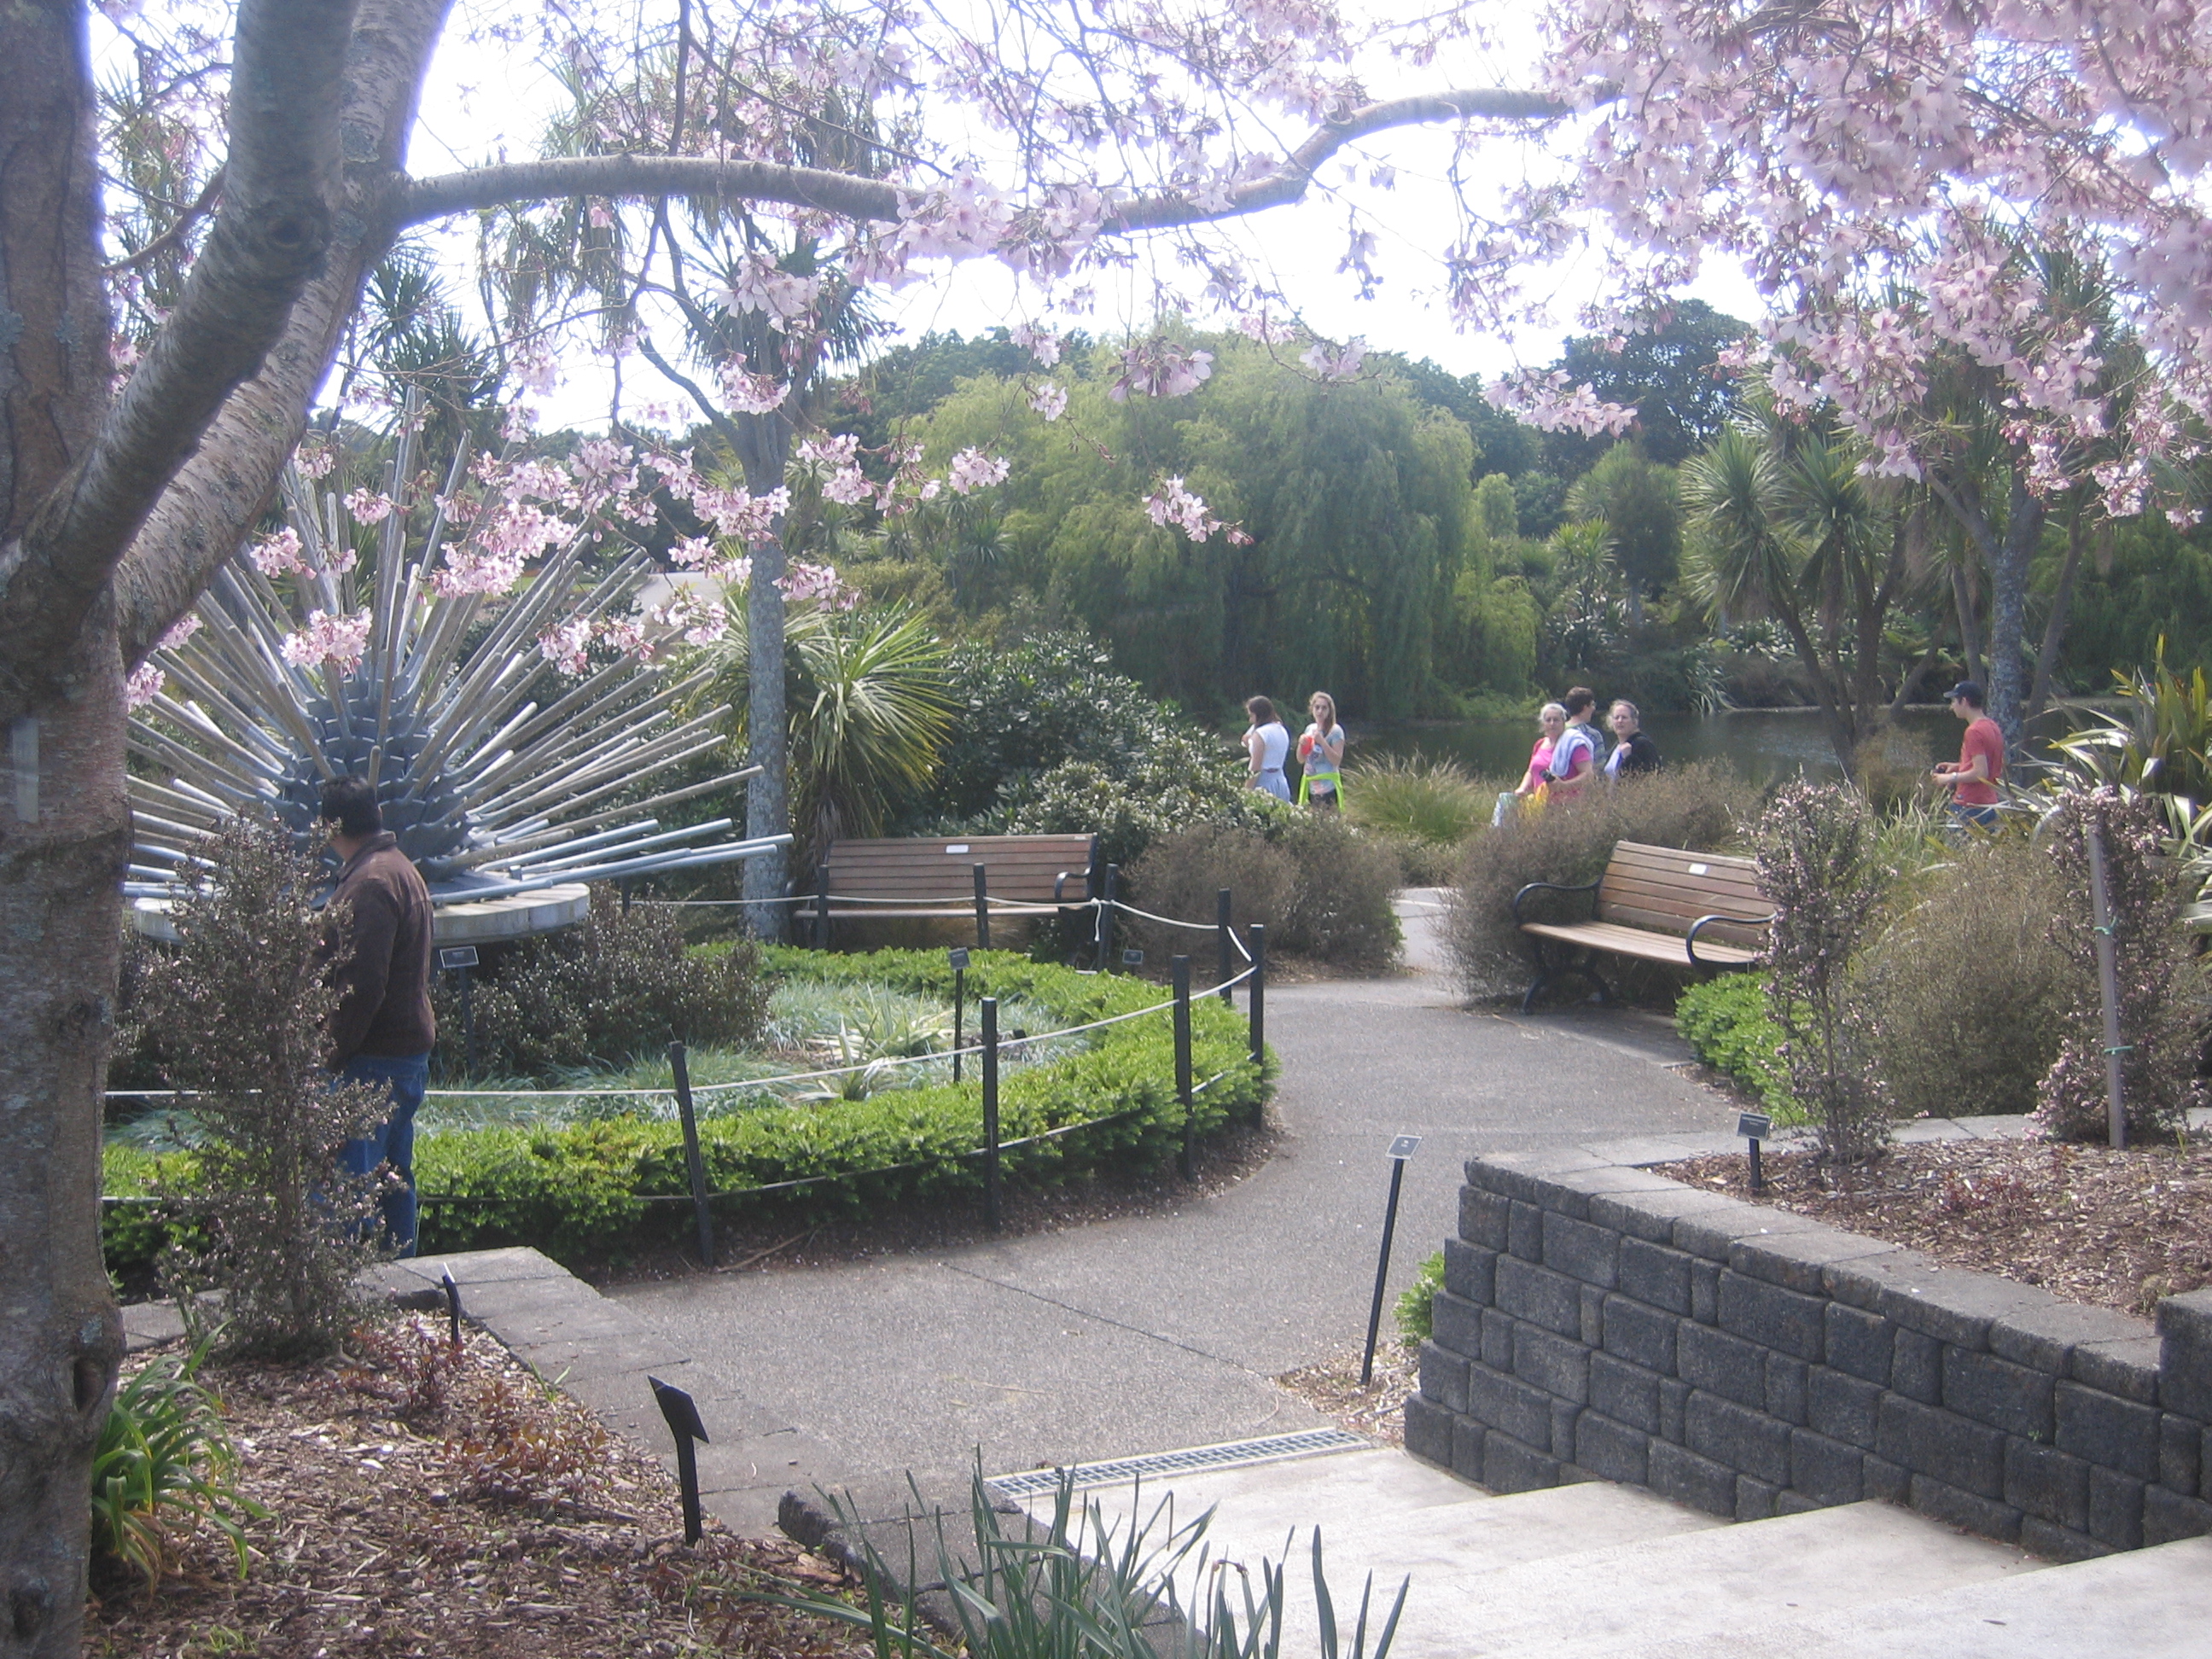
(1726, 1023)
(163, 1467)
(1321, 889)
(1181, 779)
(1416, 1303)
(600, 995)
(1965, 989)
(1702, 807)
(1340, 910)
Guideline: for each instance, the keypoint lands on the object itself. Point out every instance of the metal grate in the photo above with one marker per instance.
(1272, 1449)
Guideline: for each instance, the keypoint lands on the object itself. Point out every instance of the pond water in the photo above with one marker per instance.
(1764, 745)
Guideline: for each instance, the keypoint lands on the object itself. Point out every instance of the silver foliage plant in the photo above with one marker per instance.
(265, 1219)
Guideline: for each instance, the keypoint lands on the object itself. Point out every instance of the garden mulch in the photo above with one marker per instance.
(1377, 1409)
(425, 1502)
(2117, 1228)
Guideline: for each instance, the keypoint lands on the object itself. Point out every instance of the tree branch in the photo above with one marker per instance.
(176, 233)
(219, 493)
(853, 197)
(268, 240)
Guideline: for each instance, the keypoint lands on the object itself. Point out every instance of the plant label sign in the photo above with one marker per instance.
(458, 956)
(1402, 1147)
(1754, 1126)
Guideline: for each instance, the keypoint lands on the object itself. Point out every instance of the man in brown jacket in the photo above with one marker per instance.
(381, 1031)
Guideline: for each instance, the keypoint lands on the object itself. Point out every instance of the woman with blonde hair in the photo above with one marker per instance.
(1321, 753)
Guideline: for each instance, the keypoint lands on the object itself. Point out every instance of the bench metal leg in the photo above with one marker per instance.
(1580, 965)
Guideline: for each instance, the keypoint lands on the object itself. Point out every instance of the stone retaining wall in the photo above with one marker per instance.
(1601, 1321)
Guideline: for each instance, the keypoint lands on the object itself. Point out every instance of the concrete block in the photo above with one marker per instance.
(1539, 1295)
(1955, 1306)
(1785, 1388)
(1443, 1377)
(1482, 1217)
(1916, 1367)
(2059, 1544)
(1564, 1415)
(2105, 1429)
(1842, 1408)
(1651, 1215)
(2127, 1367)
(1770, 1315)
(2180, 1439)
(1995, 1391)
(1466, 1437)
(1797, 1262)
(1558, 1366)
(2044, 1482)
(1455, 1325)
(1861, 1281)
(2185, 1362)
(1612, 1450)
(1629, 1394)
(1471, 1271)
(1428, 1430)
(1501, 1402)
(1580, 1250)
(1524, 1231)
(1705, 1291)
(1523, 1174)
(2043, 1335)
(1727, 1365)
(1824, 1470)
(1497, 1339)
(1654, 1274)
(1889, 1482)
(1754, 1499)
(1970, 1511)
(1858, 1342)
(1509, 1466)
(1713, 1233)
(1689, 1479)
(1749, 1442)
(2168, 1515)
(1929, 1440)
(1641, 1335)
(1673, 1400)
(1592, 1331)
(1615, 1181)
(2116, 1509)
(1787, 1502)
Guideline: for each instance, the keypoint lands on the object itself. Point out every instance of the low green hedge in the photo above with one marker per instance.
(585, 1193)
(1726, 1024)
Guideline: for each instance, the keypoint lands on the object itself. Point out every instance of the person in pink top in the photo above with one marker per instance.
(1973, 782)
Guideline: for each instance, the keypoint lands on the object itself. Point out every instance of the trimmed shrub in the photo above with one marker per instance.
(1340, 909)
(1700, 806)
(1965, 989)
(1727, 1024)
(601, 995)
(1180, 873)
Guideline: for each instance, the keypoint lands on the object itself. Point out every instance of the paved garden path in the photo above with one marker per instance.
(1160, 1331)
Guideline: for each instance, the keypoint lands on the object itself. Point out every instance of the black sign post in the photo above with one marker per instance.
(695, 1166)
(452, 1305)
(459, 958)
(958, 956)
(1755, 1127)
(681, 1412)
(1400, 1149)
(990, 1010)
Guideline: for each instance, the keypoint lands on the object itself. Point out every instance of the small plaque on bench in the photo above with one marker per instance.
(1700, 869)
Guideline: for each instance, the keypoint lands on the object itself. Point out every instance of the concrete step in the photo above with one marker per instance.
(2146, 1604)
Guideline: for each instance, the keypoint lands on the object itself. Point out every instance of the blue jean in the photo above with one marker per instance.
(405, 1078)
(1974, 817)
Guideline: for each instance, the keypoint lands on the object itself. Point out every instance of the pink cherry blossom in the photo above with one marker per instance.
(338, 641)
(278, 554)
(972, 470)
(1161, 368)
(368, 506)
(565, 645)
(1039, 342)
(1049, 400)
(145, 683)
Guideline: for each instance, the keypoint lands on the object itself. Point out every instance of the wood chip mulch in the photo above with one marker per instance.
(2087, 1224)
(1378, 1411)
(425, 1502)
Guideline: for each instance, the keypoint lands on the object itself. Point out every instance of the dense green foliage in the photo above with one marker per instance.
(1416, 1303)
(1726, 1024)
(1321, 888)
(163, 1467)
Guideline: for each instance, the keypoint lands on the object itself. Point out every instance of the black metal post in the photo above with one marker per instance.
(453, 1306)
(1180, 971)
(1382, 1270)
(681, 1413)
(990, 1008)
(1221, 939)
(821, 907)
(982, 910)
(1106, 920)
(960, 998)
(1758, 1176)
(1256, 999)
(695, 1166)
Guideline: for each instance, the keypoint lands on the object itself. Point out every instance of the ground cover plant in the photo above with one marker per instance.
(1726, 1023)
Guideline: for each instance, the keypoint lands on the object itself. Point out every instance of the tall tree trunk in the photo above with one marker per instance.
(1970, 632)
(766, 445)
(2008, 689)
(2054, 627)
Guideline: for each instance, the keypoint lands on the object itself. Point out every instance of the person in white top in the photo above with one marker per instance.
(1266, 746)
(1321, 753)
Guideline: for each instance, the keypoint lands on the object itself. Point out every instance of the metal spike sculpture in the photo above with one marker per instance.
(489, 792)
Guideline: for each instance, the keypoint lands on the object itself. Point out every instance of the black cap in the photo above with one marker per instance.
(1967, 689)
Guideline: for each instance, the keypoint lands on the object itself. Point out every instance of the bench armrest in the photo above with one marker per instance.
(1060, 884)
(1690, 939)
(1547, 887)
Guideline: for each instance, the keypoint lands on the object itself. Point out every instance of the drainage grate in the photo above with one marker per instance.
(1274, 1447)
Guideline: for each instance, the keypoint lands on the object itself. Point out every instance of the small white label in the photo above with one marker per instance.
(1699, 869)
(957, 847)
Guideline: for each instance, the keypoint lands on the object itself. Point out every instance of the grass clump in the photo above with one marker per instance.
(1430, 807)
(162, 1469)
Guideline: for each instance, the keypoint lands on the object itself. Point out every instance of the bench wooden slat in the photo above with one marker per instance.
(932, 876)
(1635, 942)
(1647, 902)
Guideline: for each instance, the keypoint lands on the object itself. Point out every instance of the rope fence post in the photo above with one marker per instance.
(1106, 920)
(989, 1005)
(1256, 999)
(1221, 939)
(822, 907)
(2108, 988)
(982, 909)
(694, 1166)
(1180, 967)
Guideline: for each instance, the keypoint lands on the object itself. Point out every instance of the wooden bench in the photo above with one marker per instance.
(1701, 911)
(934, 877)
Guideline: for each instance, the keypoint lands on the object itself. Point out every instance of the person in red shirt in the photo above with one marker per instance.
(1973, 782)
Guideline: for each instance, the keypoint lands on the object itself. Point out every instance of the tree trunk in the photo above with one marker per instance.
(765, 446)
(2008, 691)
(2054, 628)
(1970, 643)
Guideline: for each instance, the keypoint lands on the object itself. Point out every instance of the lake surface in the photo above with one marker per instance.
(1764, 745)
